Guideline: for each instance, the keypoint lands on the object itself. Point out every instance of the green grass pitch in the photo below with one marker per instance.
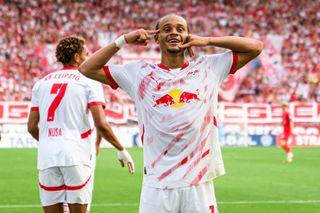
(257, 181)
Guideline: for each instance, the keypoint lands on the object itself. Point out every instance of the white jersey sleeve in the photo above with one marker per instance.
(95, 93)
(223, 64)
(124, 76)
(34, 98)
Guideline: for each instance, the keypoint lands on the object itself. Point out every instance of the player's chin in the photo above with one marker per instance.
(175, 50)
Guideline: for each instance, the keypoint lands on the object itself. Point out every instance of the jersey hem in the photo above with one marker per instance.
(173, 186)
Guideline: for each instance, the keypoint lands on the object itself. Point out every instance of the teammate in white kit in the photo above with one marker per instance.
(176, 102)
(59, 120)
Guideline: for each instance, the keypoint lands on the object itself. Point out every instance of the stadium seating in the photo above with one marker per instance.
(30, 30)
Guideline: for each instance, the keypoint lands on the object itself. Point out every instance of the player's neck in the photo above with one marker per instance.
(71, 64)
(172, 62)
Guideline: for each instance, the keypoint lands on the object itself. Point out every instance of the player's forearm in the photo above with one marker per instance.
(98, 59)
(32, 124)
(106, 132)
(34, 132)
(98, 139)
(237, 44)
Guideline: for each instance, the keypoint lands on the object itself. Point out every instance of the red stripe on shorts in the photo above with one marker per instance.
(52, 188)
(72, 188)
(63, 187)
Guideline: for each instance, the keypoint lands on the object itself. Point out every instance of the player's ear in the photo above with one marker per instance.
(76, 57)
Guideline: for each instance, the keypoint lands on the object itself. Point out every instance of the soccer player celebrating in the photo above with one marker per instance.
(59, 121)
(287, 132)
(176, 102)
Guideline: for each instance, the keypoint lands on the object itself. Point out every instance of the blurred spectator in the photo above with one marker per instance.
(30, 28)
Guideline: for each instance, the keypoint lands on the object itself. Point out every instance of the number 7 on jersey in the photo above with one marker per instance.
(60, 90)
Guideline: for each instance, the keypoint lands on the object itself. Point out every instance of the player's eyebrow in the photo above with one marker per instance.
(170, 25)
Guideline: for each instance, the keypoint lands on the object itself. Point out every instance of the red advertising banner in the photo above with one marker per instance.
(228, 113)
(266, 113)
(304, 135)
(305, 140)
(250, 121)
(17, 113)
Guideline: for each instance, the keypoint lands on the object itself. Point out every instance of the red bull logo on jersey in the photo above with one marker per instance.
(176, 98)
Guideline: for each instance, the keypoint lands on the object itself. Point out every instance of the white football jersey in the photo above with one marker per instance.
(63, 99)
(177, 110)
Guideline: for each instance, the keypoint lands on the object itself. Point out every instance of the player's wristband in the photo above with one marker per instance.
(124, 155)
(120, 42)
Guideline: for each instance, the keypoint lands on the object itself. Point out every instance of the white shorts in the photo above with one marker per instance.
(71, 184)
(194, 199)
(65, 204)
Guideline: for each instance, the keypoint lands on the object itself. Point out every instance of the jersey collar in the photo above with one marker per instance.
(185, 65)
(69, 68)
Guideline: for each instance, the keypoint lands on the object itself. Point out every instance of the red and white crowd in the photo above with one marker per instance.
(29, 27)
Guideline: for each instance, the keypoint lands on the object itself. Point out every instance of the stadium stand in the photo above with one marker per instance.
(30, 29)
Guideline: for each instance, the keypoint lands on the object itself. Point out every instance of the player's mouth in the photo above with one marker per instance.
(173, 41)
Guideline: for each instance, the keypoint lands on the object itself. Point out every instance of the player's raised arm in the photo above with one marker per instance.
(247, 48)
(93, 66)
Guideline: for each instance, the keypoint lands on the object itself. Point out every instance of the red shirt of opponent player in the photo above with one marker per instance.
(286, 122)
(287, 128)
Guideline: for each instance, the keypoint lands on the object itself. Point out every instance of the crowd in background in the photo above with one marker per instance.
(29, 27)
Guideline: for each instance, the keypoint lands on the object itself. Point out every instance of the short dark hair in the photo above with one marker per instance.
(67, 47)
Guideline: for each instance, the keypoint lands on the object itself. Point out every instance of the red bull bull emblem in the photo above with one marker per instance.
(176, 98)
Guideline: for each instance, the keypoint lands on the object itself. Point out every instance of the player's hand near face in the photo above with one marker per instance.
(139, 37)
(195, 41)
(125, 157)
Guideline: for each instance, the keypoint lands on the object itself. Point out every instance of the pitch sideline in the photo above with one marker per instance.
(219, 203)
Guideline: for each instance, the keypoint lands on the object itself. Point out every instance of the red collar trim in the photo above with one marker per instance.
(69, 68)
(163, 67)
(185, 65)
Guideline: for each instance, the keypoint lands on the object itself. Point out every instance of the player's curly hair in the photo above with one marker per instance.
(67, 47)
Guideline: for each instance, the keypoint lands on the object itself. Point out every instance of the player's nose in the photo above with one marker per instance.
(174, 31)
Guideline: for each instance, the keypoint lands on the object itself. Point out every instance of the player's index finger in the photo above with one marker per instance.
(131, 169)
(152, 31)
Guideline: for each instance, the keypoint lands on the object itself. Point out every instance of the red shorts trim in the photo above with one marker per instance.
(63, 187)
